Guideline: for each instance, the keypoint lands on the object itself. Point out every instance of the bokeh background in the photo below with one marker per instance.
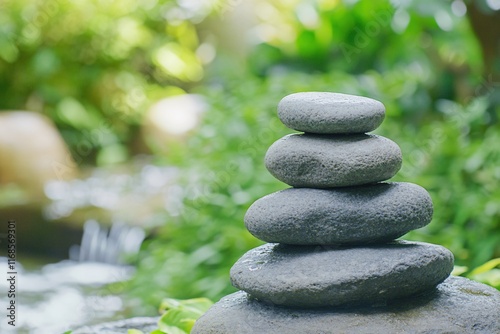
(156, 114)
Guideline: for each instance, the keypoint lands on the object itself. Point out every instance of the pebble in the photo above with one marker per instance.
(457, 305)
(325, 161)
(144, 324)
(352, 215)
(315, 276)
(330, 113)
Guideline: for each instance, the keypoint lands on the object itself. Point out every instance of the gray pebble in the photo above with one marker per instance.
(325, 161)
(330, 113)
(364, 214)
(309, 276)
(458, 306)
(145, 324)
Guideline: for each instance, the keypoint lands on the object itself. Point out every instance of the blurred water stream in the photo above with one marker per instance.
(57, 297)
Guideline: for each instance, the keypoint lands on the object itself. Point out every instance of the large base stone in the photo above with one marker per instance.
(457, 305)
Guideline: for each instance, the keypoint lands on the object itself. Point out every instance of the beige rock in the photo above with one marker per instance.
(171, 120)
(32, 152)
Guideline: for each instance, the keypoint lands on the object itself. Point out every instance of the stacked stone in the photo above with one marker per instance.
(331, 249)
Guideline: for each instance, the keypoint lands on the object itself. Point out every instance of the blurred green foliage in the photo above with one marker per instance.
(94, 66)
(101, 63)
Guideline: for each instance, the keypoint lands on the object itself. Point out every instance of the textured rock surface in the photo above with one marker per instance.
(457, 306)
(324, 161)
(371, 213)
(308, 276)
(320, 112)
(145, 324)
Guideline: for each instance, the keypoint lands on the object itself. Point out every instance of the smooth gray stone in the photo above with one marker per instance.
(330, 113)
(458, 306)
(145, 324)
(308, 276)
(325, 161)
(352, 215)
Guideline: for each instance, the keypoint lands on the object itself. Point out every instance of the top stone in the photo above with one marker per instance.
(330, 113)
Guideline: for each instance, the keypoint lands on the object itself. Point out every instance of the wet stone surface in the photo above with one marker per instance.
(314, 276)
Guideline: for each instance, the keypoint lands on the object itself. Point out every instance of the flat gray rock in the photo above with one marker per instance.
(308, 276)
(145, 324)
(352, 215)
(457, 306)
(325, 161)
(330, 113)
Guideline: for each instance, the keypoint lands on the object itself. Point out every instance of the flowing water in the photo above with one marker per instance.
(57, 297)
(53, 296)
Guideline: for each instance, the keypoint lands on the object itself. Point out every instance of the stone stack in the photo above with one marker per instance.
(332, 264)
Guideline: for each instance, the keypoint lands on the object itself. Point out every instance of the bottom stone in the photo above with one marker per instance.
(457, 305)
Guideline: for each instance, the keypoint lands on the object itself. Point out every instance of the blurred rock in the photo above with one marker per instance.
(32, 152)
(171, 120)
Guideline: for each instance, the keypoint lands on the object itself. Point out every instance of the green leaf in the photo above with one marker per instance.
(169, 303)
(134, 331)
(459, 270)
(177, 318)
(180, 315)
(197, 305)
(491, 277)
(189, 323)
(170, 329)
(486, 266)
(73, 112)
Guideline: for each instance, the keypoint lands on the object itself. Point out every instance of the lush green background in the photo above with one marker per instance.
(91, 64)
